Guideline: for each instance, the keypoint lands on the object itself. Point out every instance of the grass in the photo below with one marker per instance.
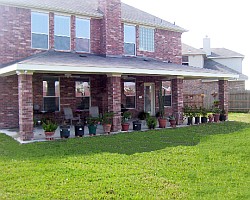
(199, 162)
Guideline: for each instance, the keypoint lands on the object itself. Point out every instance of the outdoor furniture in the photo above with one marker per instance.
(94, 111)
(68, 115)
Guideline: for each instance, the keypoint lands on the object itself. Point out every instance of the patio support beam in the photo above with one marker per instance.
(223, 95)
(177, 99)
(114, 100)
(25, 96)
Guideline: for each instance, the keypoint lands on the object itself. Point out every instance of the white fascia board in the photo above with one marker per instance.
(9, 70)
(124, 70)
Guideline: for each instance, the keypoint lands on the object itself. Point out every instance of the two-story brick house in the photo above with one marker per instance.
(79, 53)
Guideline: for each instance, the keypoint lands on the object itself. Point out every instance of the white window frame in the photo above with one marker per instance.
(80, 18)
(129, 42)
(60, 15)
(143, 39)
(37, 32)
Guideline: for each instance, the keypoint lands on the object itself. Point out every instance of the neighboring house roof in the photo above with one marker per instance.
(213, 65)
(90, 8)
(224, 53)
(188, 50)
(59, 62)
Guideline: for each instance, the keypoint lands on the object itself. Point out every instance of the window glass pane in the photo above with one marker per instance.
(167, 93)
(51, 94)
(146, 36)
(129, 49)
(39, 41)
(130, 93)
(82, 28)
(82, 44)
(62, 26)
(82, 88)
(129, 34)
(62, 43)
(39, 23)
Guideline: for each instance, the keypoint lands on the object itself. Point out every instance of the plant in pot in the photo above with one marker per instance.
(79, 129)
(65, 130)
(203, 112)
(161, 115)
(188, 113)
(216, 113)
(49, 129)
(151, 122)
(107, 119)
(125, 124)
(92, 123)
(223, 115)
(172, 121)
(197, 114)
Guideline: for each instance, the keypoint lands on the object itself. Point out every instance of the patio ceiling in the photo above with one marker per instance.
(74, 63)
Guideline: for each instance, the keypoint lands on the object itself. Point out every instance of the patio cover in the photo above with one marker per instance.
(74, 63)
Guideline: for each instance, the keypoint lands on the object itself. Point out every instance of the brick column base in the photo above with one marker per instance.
(223, 95)
(25, 96)
(114, 100)
(177, 99)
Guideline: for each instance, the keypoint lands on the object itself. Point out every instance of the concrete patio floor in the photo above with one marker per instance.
(39, 135)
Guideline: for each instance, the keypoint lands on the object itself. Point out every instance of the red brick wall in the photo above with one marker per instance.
(9, 102)
(111, 27)
(95, 36)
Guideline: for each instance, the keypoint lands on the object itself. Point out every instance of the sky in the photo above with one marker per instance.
(225, 22)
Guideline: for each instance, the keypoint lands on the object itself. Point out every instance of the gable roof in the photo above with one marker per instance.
(188, 50)
(90, 8)
(224, 53)
(213, 65)
(67, 62)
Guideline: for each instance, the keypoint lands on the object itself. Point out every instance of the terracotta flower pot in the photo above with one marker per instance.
(107, 128)
(172, 123)
(125, 127)
(162, 123)
(49, 135)
(216, 117)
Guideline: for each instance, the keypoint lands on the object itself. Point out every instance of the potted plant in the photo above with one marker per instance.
(223, 115)
(143, 115)
(107, 119)
(203, 112)
(216, 113)
(92, 123)
(49, 129)
(188, 113)
(125, 124)
(137, 125)
(151, 122)
(172, 121)
(161, 119)
(64, 130)
(79, 129)
(197, 114)
(210, 118)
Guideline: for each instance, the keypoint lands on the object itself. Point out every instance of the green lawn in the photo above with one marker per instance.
(199, 162)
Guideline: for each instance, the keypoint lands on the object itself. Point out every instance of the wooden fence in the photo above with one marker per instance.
(239, 101)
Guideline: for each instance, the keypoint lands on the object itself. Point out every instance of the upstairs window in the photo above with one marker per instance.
(167, 93)
(62, 33)
(185, 60)
(51, 94)
(130, 93)
(39, 30)
(82, 90)
(147, 39)
(129, 40)
(82, 35)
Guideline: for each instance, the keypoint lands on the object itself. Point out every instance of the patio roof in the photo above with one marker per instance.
(74, 63)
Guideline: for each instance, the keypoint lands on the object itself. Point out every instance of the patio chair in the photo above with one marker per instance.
(68, 115)
(94, 111)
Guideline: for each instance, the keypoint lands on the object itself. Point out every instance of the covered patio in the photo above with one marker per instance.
(106, 77)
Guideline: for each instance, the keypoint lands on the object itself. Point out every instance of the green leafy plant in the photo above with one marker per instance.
(151, 122)
(126, 116)
(171, 117)
(107, 118)
(143, 115)
(93, 120)
(216, 110)
(49, 126)
(203, 111)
